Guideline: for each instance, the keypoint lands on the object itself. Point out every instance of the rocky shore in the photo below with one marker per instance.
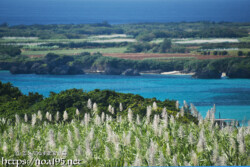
(67, 65)
(39, 67)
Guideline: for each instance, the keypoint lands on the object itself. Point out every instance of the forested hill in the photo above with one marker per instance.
(12, 102)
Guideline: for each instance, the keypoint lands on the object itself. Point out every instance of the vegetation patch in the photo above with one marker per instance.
(116, 129)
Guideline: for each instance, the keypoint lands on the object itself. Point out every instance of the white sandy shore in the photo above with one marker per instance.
(176, 73)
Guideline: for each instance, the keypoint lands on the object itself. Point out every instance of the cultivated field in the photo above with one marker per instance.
(72, 51)
(27, 41)
(111, 36)
(32, 47)
(114, 40)
(141, 56)
(200, 41)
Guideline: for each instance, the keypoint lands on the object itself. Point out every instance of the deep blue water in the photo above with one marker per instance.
(122, 11)
(231, 96)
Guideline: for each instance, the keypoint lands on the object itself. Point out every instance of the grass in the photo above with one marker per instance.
(245, 39)
(75, 51)
(100, 140)
(235, 52)
(157, 41)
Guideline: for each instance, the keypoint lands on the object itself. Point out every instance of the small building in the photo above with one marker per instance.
(226, 122)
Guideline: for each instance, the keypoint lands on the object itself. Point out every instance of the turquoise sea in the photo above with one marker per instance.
(231, 96)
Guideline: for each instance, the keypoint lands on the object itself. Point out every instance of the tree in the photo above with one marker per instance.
(248, 54)
(204, 53)
(224, 53)
(10, 50)
(146, 37)
(165, 45)
(240, 53)
(4, 24)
